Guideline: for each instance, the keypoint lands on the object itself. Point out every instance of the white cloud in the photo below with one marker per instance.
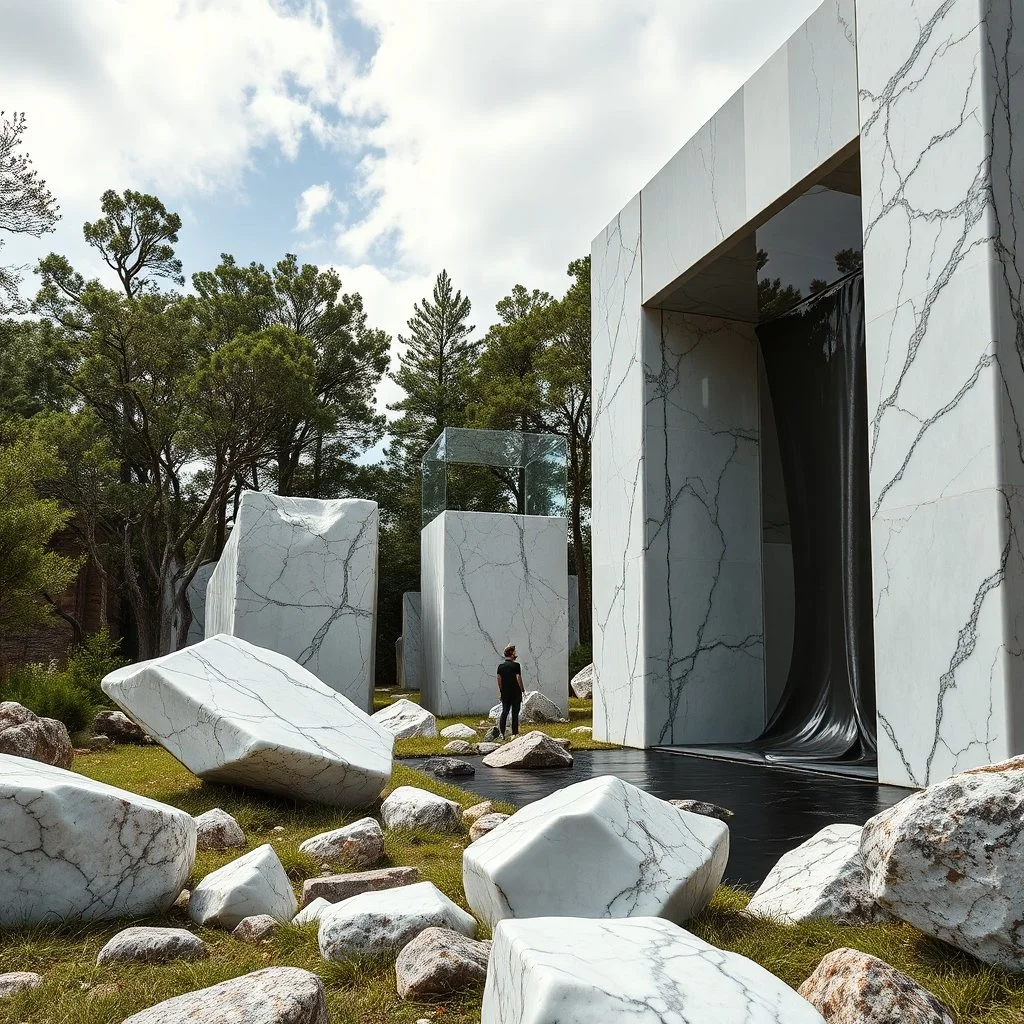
(312, 202)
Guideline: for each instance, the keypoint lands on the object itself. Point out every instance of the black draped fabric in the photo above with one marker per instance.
(815, 365)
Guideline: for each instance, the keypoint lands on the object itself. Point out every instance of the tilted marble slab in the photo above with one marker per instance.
(233, 712)
(73, 848)
(644, 970)
(412, 642)
(299, 576)
(489, 579)
(600, 848)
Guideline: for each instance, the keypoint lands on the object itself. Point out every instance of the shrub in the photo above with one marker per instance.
(579, 658)
(94, 658)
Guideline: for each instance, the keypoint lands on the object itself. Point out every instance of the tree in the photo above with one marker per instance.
(435, 370)
(27, 206)
(28, 522)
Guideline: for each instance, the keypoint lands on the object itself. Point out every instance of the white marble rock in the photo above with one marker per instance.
(410, 807)
(299, 576)
(412, 642)
(487, 580)
(255, 883)
(458, 731)
(486, 823)
(73, 848)
(536, 709)
(312, 911)
(821, 878)
(405, 719)
(620, 853)
(217, 830)
(357, 846)
(14, 982)
(947, 860)
(236, 713)
(470, 814)
(153, 946)
(582, 684)
(532, 750)
(643, 970)
(460, 747)
(195, 595)
(383, 922)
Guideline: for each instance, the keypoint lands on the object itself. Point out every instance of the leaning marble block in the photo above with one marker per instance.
(233, 712)
(644, 970)
(620, 853)
(412, 642)
(73, 848)
(299, 576)
(490, 579)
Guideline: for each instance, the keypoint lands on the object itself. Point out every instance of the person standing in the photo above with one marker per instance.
(510, 690)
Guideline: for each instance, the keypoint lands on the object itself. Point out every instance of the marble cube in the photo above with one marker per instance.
(299, 576)
(489, 579)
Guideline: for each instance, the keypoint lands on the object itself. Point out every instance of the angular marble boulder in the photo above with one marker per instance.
(459, 747)
(446, 767)
(24, 734)
(822, 877)
(236, 713)
(359, 845)
(536, 709)
(335, 888)
(299, 576)
(440, 962)
(534, 750)
(851, 987)
(73, 848)
(458, 731)
(582, 684)
(312, 912)
(947, 860)
(643, 970)
(119, 727)
(405, 719)
(410, 807)
(487, 748)
(256, 928)
(702, 807)
(383, 922)
(14, 982)
(152, 946)
(217, 830)
(275, 995)
(255, 883)
(486, 823)
(470, 814)
(621, 853)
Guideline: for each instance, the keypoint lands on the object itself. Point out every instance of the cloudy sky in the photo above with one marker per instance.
(389, 138)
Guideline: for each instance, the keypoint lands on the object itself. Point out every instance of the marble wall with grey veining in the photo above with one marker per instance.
(299, 576)
(412, 642)
(941, 106)
(487, 580)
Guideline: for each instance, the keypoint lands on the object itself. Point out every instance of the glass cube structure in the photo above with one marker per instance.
(527, 473)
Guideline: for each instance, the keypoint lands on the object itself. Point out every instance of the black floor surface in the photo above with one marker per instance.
(775, 809)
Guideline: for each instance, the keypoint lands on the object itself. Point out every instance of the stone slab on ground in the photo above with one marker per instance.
(148, 945)
(235, 713)
(335, 888)
(440, 962)
(73, 848)
(255, 883)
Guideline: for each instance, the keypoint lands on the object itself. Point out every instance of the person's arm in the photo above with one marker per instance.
(498, 677)
(519, 680)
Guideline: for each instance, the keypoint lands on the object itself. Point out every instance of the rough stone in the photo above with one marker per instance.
(644, 969)
(487, 748)
(534, 750)
(470, 814)
(491, 736)
(581, 730)
(486, 823)
(536, 709)
(335, 888)
(359, 845)
(947, 860)
(71, 847)
(217, 830)
(240, 714)
(850, 987)
(24, 734)
(97, 743)
(153, 946)
(405, 720)
(409, 807)
(440, 962)
(383, 922)
(445, 767)
(702, 807)
(621, 853)
(18, 981)
(458, 731)
(119, 727)
(255, 928)
(459, 747)
(582, 684)
(312, 912)
(821, 878)
(255, 883)
(275, 995)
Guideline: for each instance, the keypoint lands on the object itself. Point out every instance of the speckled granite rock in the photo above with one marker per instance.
(153, 946)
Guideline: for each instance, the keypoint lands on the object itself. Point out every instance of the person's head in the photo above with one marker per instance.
(510, 651)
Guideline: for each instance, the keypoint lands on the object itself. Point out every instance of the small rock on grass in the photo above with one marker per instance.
(255, 928)
(312, 911)
(152, 946)
(335, 888)
(458, 731)
(18, 981)
(470, 814)
(359, 845)
(485, 824)
(459, 747)
(275, 995)
(411, 807)
(217, 830)
(581, 730)
(487, 748)
(440, 962)
(255, 883)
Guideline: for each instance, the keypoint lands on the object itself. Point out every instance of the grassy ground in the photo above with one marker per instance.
(580, 713)
(76, 991)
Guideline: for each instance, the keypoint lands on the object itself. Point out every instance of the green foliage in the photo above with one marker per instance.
(94, 658)
(579, 658)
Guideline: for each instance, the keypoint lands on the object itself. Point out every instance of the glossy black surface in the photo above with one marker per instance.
(774, 809)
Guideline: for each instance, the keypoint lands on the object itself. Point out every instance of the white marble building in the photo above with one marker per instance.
(489, 579)
(912, 107)
(299, 576)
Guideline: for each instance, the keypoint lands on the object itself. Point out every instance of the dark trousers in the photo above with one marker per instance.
(510, 703)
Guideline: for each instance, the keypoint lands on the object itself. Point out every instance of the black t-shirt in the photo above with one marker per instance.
(507, 672)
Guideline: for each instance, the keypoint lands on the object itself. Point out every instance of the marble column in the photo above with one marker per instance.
(412, 641)
(941, 101)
